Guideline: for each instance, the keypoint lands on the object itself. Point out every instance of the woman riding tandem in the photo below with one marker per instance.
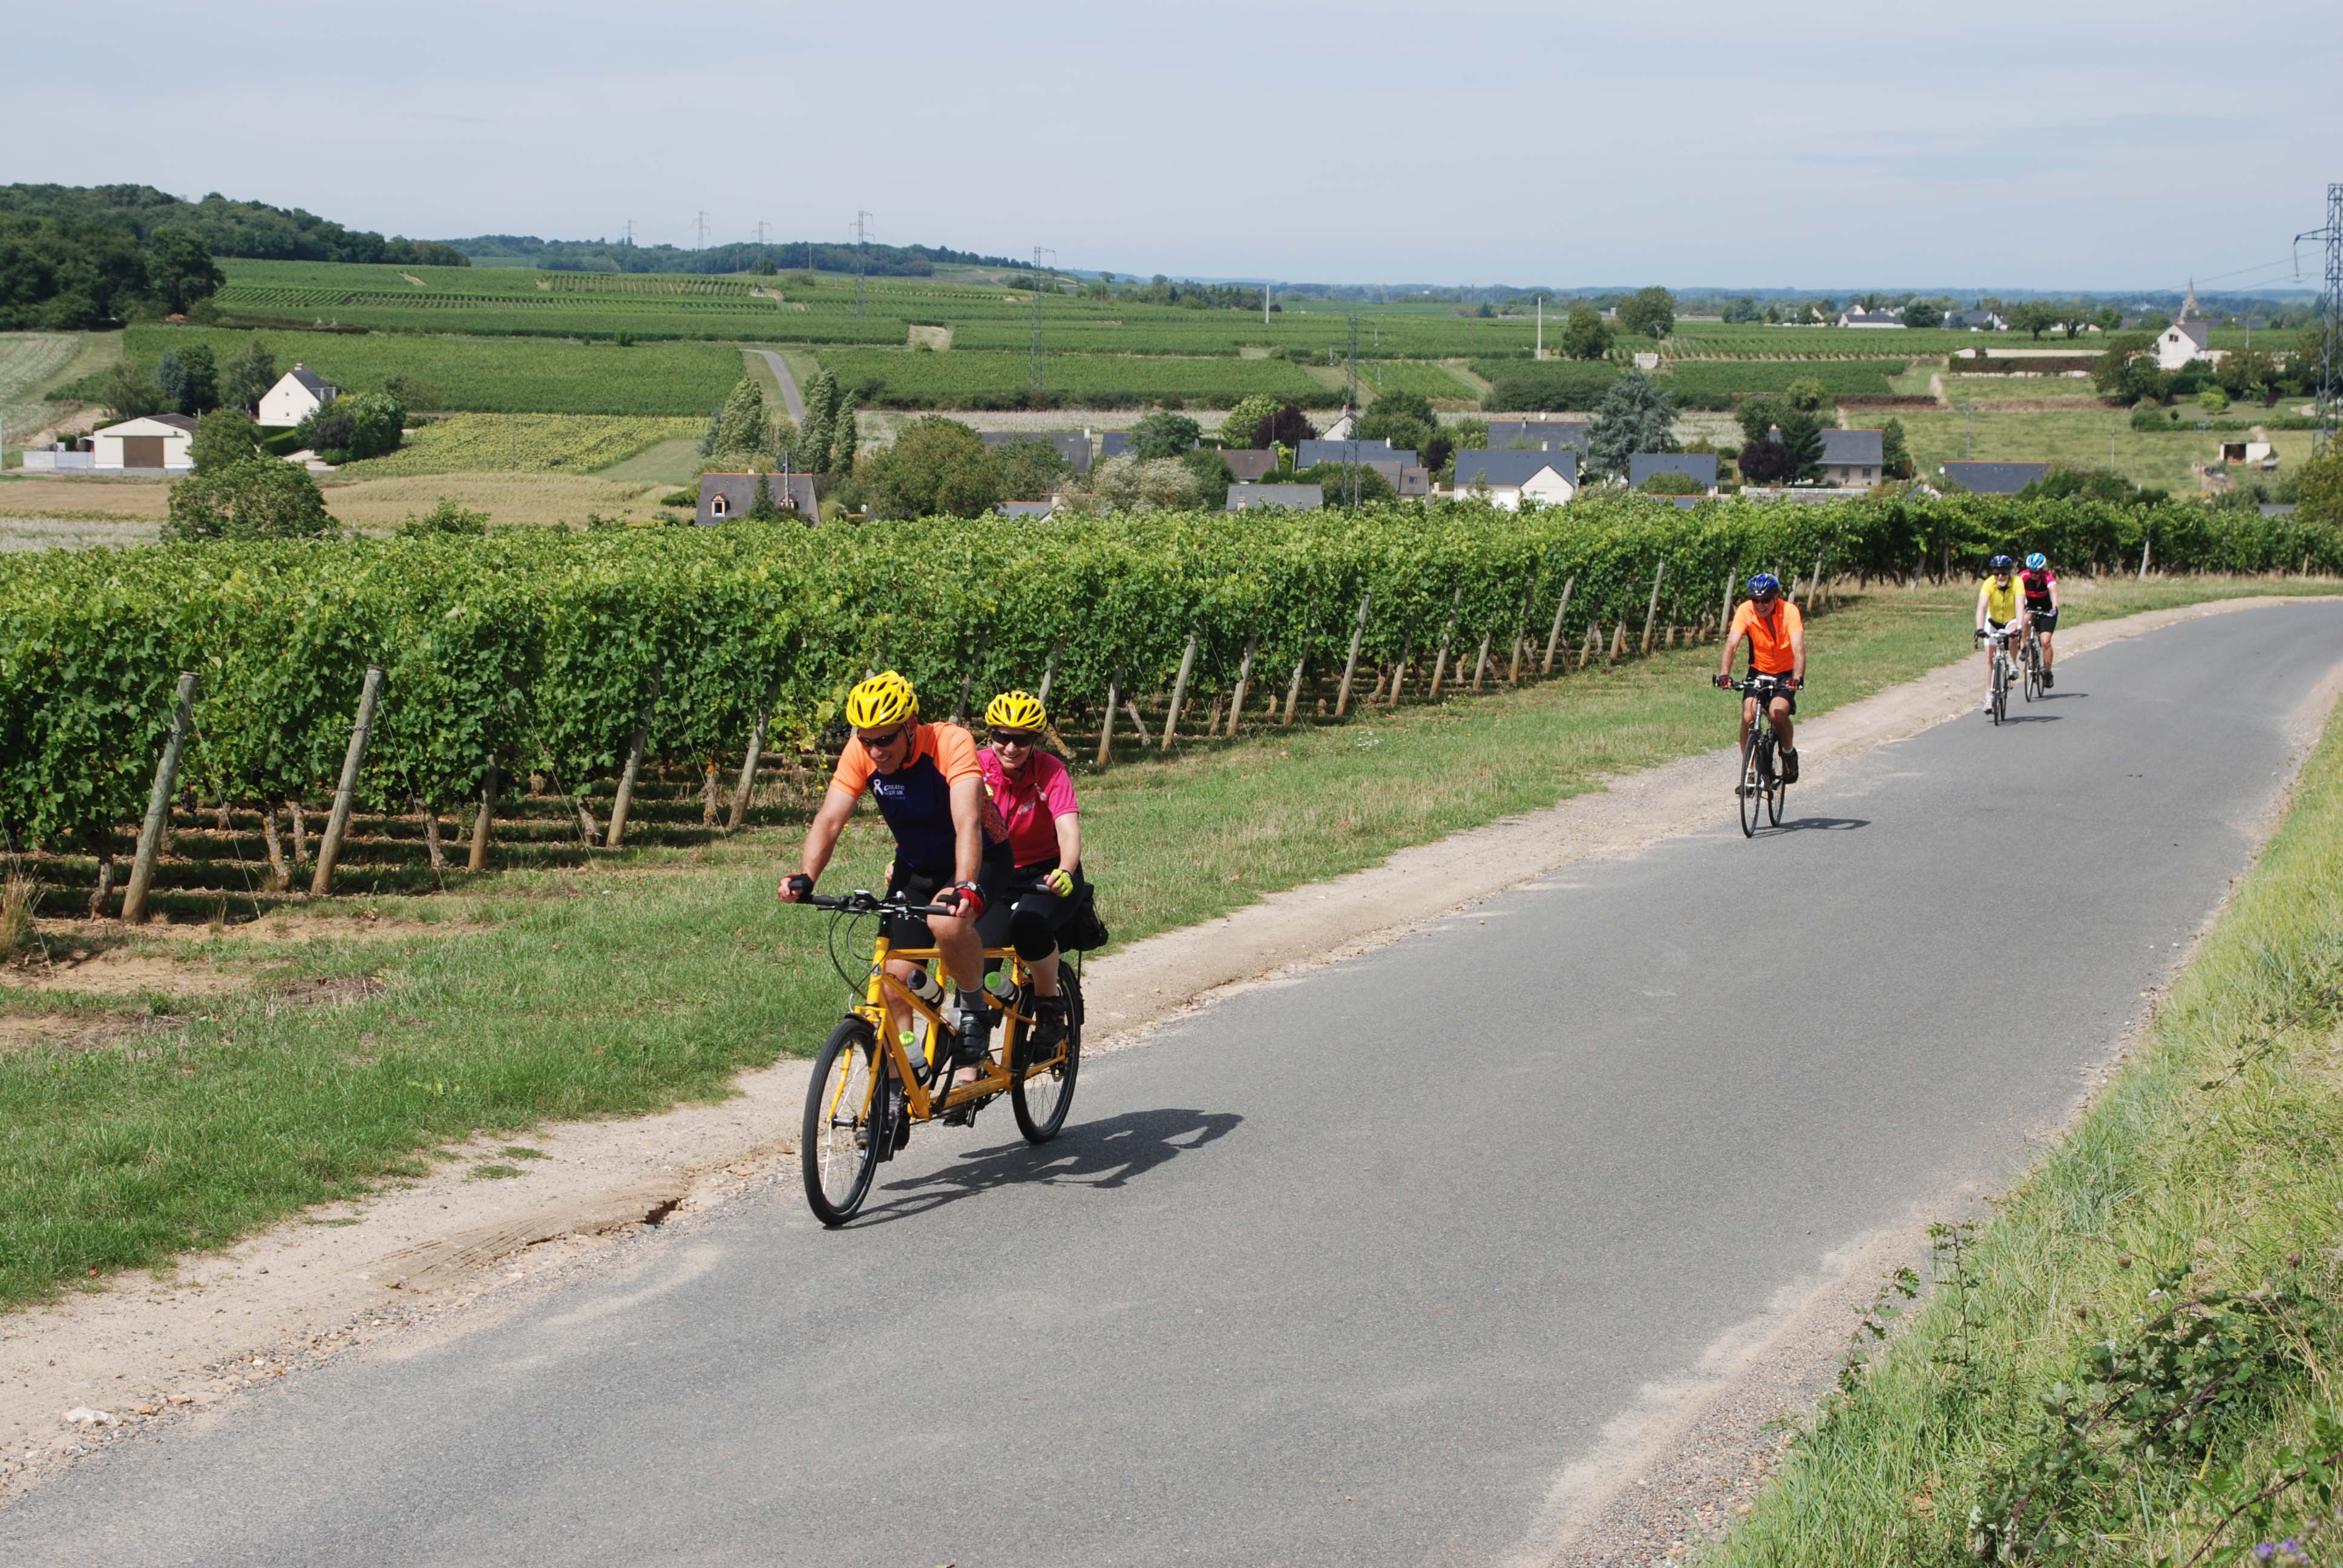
(1035, 798)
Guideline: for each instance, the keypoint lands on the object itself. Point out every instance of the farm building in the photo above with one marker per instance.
(1974, 321)
(1994, 479)
(1026, 509)
(298, 393)
(1859, 317)
(1700, 467)
(1249, 463)
(1506, 479)
(152, 444)
(1073, 446)
(2250, 453)
(1537, 435)
(1854, 457)
(725, 497)
(1292, 498)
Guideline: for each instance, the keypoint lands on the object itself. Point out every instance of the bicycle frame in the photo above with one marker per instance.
(993, 1078)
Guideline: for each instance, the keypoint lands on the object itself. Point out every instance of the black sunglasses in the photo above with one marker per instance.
(1014, 737)
(879, 742)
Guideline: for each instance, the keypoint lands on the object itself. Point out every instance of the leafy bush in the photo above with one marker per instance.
(1543, 387)
(258, 499)
(354, 427)
(446, 518)
(223, 436)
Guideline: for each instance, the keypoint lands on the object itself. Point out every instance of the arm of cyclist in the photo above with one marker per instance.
(1734, 635)
(968, 844)
(1798, 655)
(1070, 854)
(1980, 610)
(820, 841)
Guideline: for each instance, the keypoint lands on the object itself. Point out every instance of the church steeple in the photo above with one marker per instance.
(2188, 307)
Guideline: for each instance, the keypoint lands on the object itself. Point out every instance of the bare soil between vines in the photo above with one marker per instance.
(145, 1348)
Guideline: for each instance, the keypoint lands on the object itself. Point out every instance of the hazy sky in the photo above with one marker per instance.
(2046, 145)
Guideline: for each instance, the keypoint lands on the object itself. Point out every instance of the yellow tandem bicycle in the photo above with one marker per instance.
(868, 1089)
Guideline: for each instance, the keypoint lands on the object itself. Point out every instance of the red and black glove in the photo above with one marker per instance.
(798, 885)
(965, 899)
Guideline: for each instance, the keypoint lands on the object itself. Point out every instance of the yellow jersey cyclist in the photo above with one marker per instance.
(951, 848)
(2040, 587)
(1034, 795)
(1777, 646)
(1996, 610)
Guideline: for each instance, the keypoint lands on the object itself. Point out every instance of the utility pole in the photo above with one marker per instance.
(1968, 441)
(630, 234)
(861, 257)
(2330, 323)
(703, 231)
(1540, 330)
(1351, 407)
(1039, 252)
(1267, 290)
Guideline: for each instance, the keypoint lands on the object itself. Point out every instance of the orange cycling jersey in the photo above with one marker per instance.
(1769, 636)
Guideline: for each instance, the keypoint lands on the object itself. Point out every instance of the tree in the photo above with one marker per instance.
(1806, 394)
(445, 518)
(1745, 309)
(2035, 317)
(845, 436)
(180, 270)
(1895, 452)
(1924, 313)
(1163, 434)
(2108, 318)
(1634, 416)
(1242, 428)
(814, 437)
(223, 436)
(938, 467)
(1757, 416)
(250, 372)
(354, 427)
(2213, 400)
(762, 506)
(412, 393)
(171, 376)
(1288, 427)
(2088, 484)
(128, 391)
(1406, 419)
(2110, 375)
(197, 379)
(1765, 462)
(1802, 438)
(742, 430)
(1338, 480)
(1030, 469)
(1651, 311)
(260, 498)
(1669, 483)
(1586, 335)
(1213, 478)
(1130, 484)
(2321, 489)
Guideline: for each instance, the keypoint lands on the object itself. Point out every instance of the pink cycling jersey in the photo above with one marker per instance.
(1030, 801)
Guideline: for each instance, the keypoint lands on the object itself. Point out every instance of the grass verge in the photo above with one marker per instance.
(2133, 1360)
(628, 984)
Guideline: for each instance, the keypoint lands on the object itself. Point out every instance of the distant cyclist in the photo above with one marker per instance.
(2041, 586)
(951, 847)
(1996, 609)
(1035, 796)
(1777, 646)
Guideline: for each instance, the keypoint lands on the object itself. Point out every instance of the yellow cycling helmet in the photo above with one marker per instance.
(1016, 710)
(885, 699)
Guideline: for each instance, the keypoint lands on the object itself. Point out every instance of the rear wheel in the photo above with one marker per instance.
(1774, 800)
(1750, 785)
(848, 1115)
(1041, 1094)
(2033, 672)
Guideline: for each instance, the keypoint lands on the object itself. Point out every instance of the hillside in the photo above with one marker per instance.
(235, 228)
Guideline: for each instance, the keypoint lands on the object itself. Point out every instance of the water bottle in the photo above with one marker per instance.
(923, 984)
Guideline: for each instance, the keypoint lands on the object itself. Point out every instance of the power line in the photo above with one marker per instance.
(2331, 320)
(861, 257)
(703, 231)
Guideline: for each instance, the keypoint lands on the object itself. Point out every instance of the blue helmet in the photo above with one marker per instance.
(2036, 561)
(1765, 584)
(1999, 565)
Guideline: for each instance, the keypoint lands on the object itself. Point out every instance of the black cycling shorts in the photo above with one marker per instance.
(1028, 916)
(921, 887)
(2043, 620)
(1783, 692)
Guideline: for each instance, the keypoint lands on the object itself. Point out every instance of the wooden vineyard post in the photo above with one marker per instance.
(1178, 691)
(1399, 671)
(1448, 631)
(749, 766)
(1481, 665)
(1293, 689)
(329, 848)
(480, 823)
(1350, 664)
(1618, 646)
(967, 680)
(1521, 638)
(1049, 675)
(1106, 726)
(1652, 614)
(629, 773)
(1245, 679)
(1725, 614)
(1815, 584)
(1554, 638)
(159, 805)
(2146, 543)
(1586, 650)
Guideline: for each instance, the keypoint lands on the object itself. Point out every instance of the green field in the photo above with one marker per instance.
(964, 378)
(2087, 438)
(489, 374)
(1726, 377)
(32, 362)
(527, 442)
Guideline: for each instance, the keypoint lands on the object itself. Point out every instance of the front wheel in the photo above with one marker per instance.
(2000, 689)
(848, 1114)
(1751, 785)
(1040, 1095)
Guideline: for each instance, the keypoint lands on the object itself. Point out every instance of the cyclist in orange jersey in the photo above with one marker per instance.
(1777, 633)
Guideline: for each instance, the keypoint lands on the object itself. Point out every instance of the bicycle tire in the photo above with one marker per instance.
(2000, 689)
(2033, 672)
(1041, 1110)
(1748, 787)
(1773, 798)
(840, 1158)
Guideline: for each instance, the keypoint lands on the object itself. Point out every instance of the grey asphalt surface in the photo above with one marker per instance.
(1342, 1270)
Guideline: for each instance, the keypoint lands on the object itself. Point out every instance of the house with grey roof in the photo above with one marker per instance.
(726, 497)
(1506, 479)
(1994, 479)
(1249, 463)
(1858, 316)
(1115, 443)
(1073, 446)
(1700, 467)
(1974, 321)
(298, 393)
(2181, 342)
(1854, 457)
(1537, 435)
(1291, 498)
(1309, 454)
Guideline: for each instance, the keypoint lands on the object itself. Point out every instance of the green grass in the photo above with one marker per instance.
(636, 981)
(488, 374)
(2213, 1154)
(530, 443)
(980, 378)
(2082, 439)
(31, 362)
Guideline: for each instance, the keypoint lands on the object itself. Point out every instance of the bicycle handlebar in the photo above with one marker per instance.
(862, 902)
(1757, 683)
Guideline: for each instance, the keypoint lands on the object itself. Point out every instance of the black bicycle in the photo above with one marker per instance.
(2004, 669)
(1761, 787)
(2033, 663)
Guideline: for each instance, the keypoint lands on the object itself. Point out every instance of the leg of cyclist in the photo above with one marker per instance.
(1748, 719)
(2045, 635)
(1786, 732)
(1990, 650)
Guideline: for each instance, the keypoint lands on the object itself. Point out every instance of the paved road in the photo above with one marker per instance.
(1342, 1270)
(795, 404)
